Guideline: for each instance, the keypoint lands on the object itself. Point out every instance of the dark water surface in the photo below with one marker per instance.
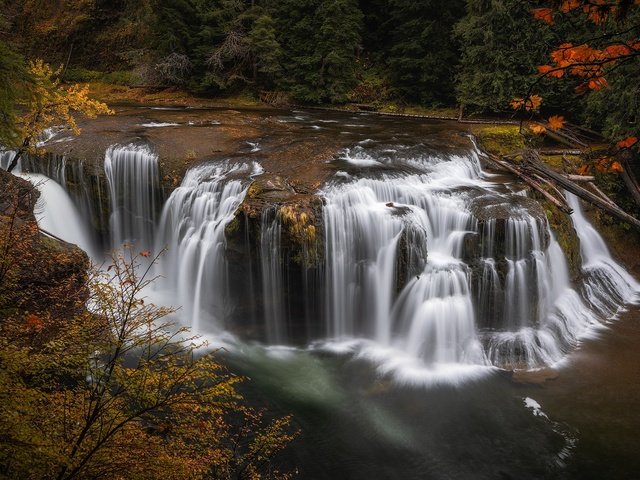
(356, 426)
(597, 396)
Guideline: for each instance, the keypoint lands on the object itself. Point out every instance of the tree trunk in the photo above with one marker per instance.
(630, 180)
(15, 160)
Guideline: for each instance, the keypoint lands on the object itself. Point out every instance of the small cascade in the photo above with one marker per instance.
(57, 214)
(82, 189)
(86, 189)
(272, 276)
(290, 277)
(134, 187)
(191, 228)
(6, 156)
(607, 285)
(362, 234)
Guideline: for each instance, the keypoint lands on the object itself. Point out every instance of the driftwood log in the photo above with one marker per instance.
(534, 173)
(532, 163)
(528, 179)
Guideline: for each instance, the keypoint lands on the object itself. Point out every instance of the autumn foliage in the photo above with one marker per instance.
(96, 383)
(49, 102)
(588, 61)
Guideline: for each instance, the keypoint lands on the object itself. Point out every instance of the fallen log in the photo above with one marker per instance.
(533, 162)
(559, 151)
(561, 204)
(602, 194)
(570, 139)
(580, 178)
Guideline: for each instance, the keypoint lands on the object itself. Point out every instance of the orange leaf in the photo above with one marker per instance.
(602, 164)
(533, 102)
(556, 122)
(516, 103)
(598, 83)
(537, 128)
(583, 170)
(544, 14)
(627, 142)
(145, 253)
(530, 103)
(616, 167)
(34, 322)
(615, 51)
(569, 5)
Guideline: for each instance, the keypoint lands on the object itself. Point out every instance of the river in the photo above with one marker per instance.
(413, 310)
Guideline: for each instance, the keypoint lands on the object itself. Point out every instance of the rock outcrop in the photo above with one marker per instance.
(39, 274)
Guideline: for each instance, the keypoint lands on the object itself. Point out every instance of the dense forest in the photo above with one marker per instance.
(560, 63)
(478, 53)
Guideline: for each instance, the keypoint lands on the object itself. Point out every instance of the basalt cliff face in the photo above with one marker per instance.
(39, 274)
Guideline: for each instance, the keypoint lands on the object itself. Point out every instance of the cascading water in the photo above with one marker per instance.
(66, 212)
(431, 261)
(607, 285)
(271, 272)
(85, 189)
(368, 223)
(134, 188)
(427, 263)
(57, 214)
(192, 224)
(6, 156)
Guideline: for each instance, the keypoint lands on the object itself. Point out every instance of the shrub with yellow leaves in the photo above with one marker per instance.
(49, 103)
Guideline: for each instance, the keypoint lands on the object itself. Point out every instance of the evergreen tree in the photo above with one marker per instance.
(501, 48)
(267, 53)
(320, 41)
(414, 39)
(172, 42)
(237, 45)
(15, 82)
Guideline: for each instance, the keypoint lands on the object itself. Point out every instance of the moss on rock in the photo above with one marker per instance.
(499, 139)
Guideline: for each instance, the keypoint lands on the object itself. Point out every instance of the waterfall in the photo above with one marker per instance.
(134, 188)
(367, 222)
(191, 228)
(79, 204)
(6, 156)
(272, 281)
(428, 264)
(607, 285)
(57, 214)
(435, 264)
(361, 237)
(85, 188)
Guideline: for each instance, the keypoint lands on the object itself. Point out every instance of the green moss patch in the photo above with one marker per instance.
(499, 139)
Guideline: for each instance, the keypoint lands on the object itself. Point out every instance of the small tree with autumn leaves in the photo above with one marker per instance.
(615, 45)
(116, 392)
(47, 102)
(609, 53)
